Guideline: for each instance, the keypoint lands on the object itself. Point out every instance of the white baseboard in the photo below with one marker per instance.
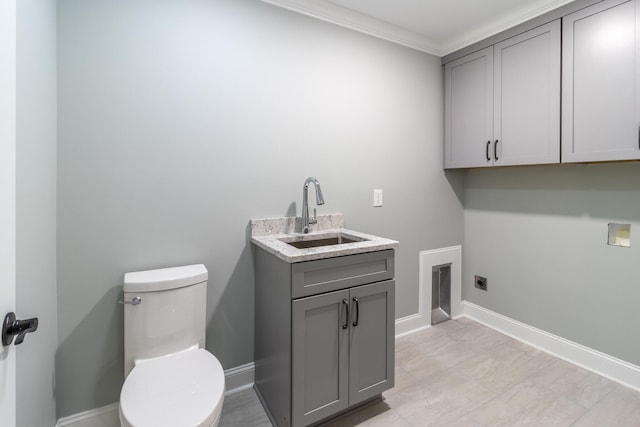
(237, 379)
(106, 416)
(410, 324)
(595, 361)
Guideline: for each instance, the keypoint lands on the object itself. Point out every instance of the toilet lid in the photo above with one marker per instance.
(183, 389)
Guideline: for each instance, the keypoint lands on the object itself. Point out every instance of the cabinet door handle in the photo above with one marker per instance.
(495, 150)
(357, 309)
(488, 144)
(346, 307)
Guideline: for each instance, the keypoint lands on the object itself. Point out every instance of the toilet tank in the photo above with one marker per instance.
(171, 315)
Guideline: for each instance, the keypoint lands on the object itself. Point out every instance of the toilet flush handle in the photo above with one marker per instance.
(134, 301)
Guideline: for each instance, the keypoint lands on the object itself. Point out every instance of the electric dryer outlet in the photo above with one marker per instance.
(480, 282)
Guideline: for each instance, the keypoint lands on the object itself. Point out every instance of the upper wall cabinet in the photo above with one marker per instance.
(600, 120)
(502, 103)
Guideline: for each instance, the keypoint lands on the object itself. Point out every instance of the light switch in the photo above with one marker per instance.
(377, 198)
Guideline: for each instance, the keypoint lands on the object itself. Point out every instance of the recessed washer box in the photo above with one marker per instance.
(619, 235)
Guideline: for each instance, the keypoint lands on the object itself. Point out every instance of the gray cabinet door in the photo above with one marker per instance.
(527, 98)
(320, 358)
(600, 78)
(371, 360)
(468, 104)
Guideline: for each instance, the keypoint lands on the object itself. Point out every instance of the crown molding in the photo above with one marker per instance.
(497, 27)
(330, 12)
(338, 15)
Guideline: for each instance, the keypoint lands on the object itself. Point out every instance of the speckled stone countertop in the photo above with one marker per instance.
(272, 235)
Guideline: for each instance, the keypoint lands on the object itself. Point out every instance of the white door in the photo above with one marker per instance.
(7, 202)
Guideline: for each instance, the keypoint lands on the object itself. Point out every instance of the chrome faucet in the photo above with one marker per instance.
(305, 203)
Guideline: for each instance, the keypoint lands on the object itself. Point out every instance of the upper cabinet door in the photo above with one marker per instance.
(599, 87)
(527, 98)
(468, 104)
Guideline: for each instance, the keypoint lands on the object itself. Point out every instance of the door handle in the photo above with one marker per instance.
(495, 150)
(488, 144)
(12, 327)
(357, 311)
(346, 319)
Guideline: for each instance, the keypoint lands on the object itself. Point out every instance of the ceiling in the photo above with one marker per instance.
(438, 27)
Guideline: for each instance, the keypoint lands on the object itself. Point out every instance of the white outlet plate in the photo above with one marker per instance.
(377, 198)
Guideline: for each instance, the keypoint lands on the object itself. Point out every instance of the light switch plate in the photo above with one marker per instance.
(377, 198)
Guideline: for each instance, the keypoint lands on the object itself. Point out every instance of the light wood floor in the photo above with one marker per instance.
(460, 373)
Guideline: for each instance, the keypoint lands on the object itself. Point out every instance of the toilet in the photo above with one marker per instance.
(170, 379)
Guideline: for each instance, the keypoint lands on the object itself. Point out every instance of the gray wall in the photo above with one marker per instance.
(180, 121)
(539, 234)
(36, 209)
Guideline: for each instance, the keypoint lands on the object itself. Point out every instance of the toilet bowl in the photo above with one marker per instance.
(183, 389)
(170, 379)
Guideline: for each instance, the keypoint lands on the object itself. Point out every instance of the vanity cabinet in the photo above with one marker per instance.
(600, 94)
(324, 334)
(502, 103)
